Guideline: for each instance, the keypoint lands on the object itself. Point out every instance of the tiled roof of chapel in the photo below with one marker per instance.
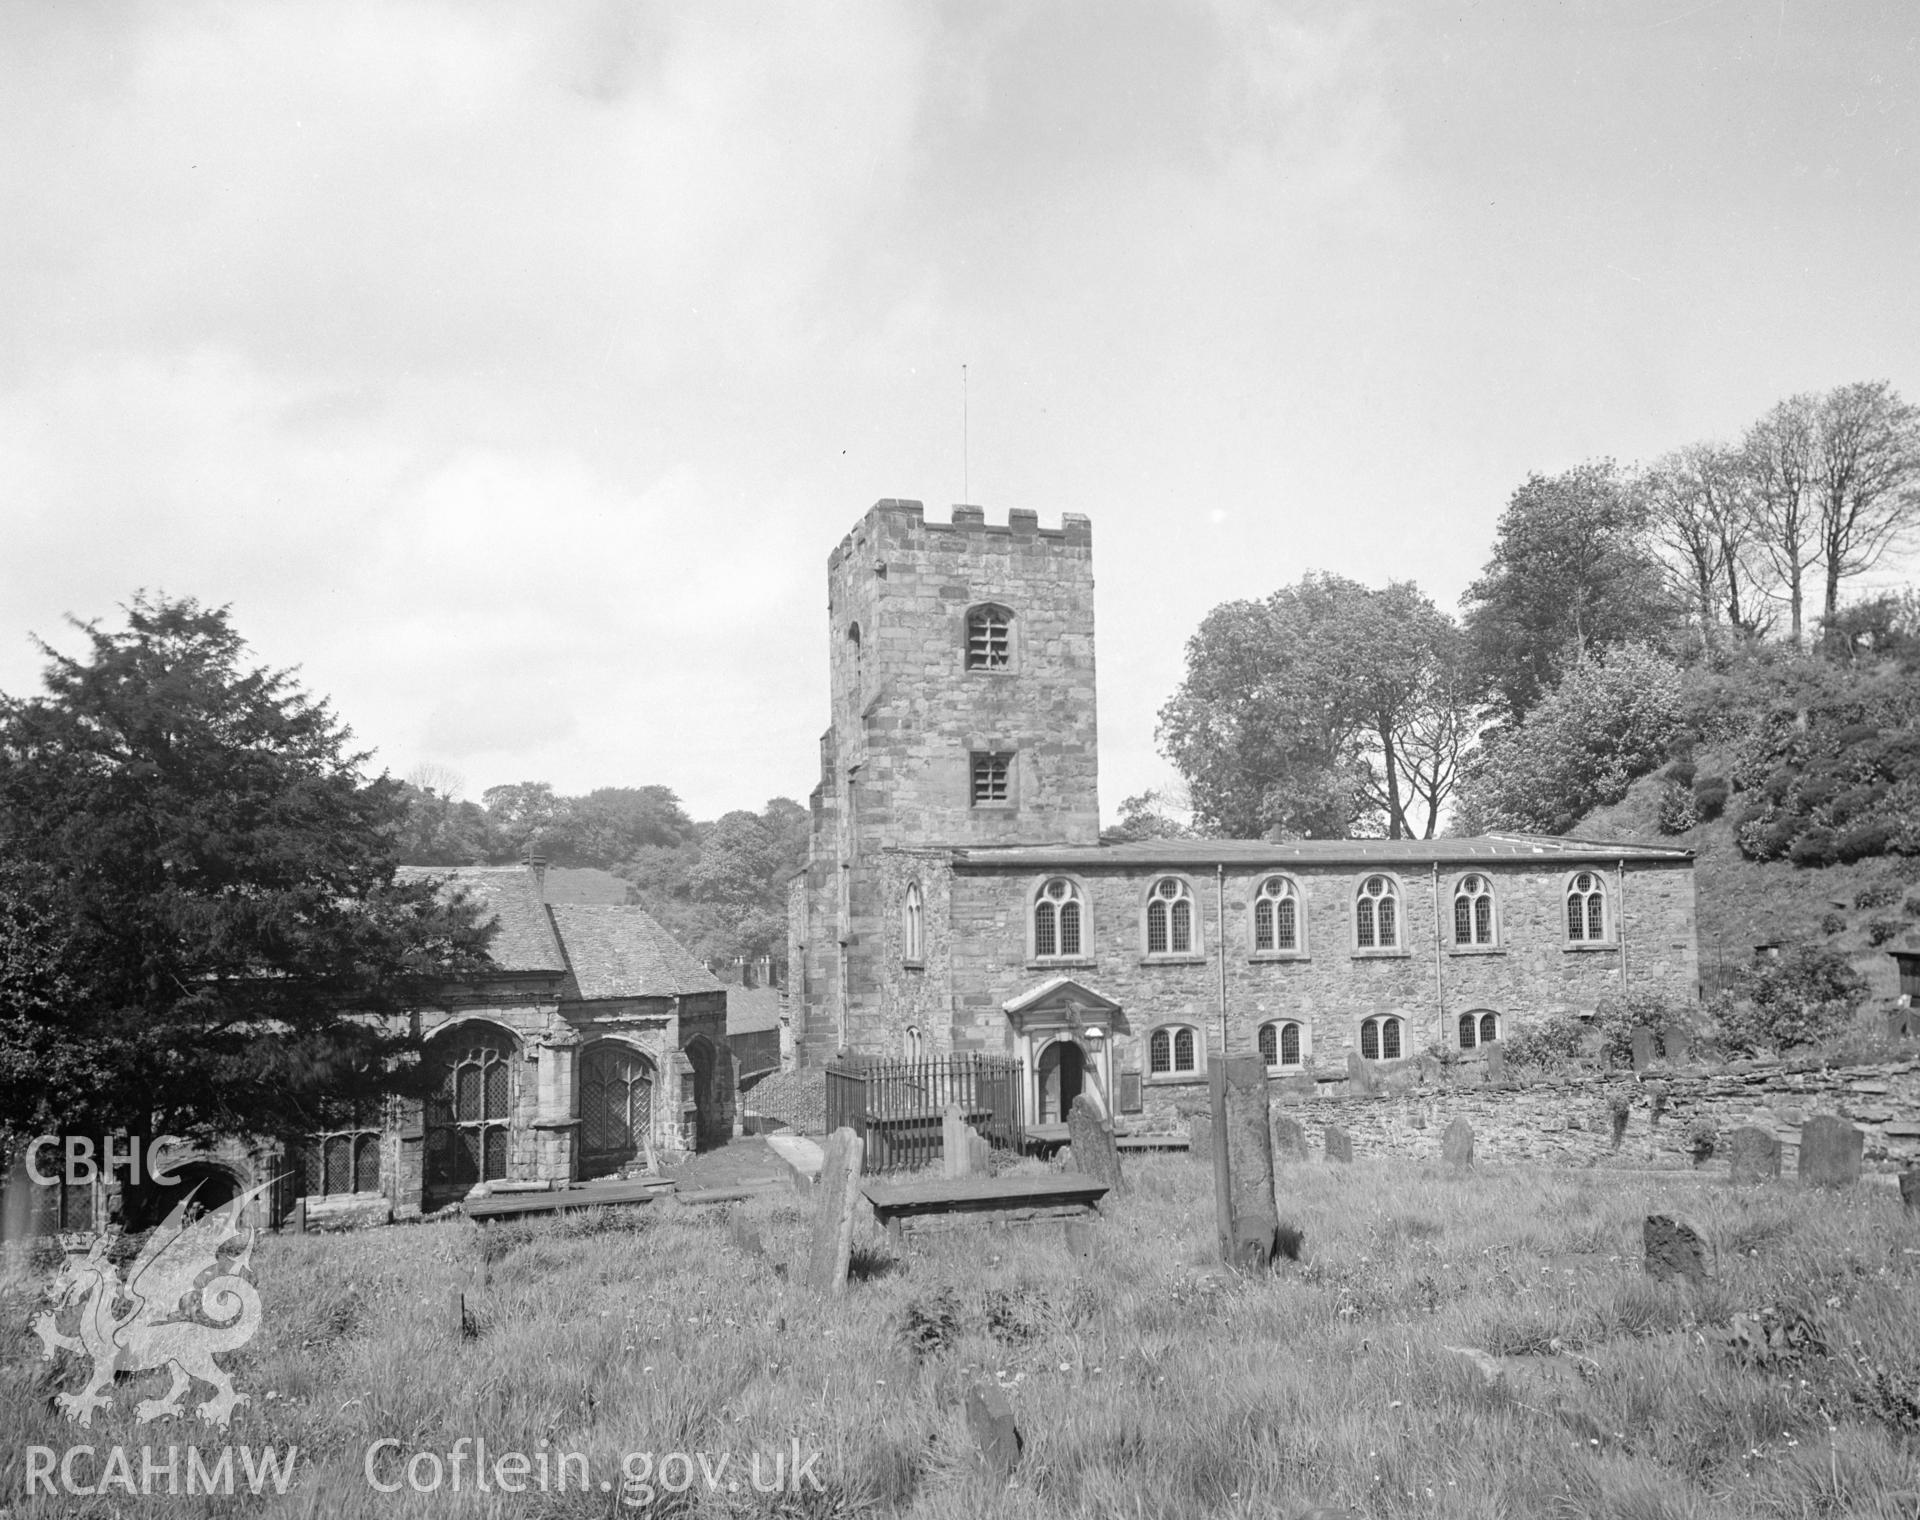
(623, 952)
(525, 939)
(1464, 850)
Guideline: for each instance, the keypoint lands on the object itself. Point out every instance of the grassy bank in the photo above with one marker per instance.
(1146, 1380)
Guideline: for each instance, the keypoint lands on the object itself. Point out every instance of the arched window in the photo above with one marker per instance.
(1478, 1028)
(1282, 1044)
(1381, 1039)
(1173, 1051)
(853, 634)
(1473, 911)
(913, 925)
(1170, 918)
(1376, 914)
(1277, 919)
(470, 1112)
(1587, 908)
(912, 1043)
(989, 641)
(1057, 920)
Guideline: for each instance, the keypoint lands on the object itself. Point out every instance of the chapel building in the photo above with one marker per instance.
(957, 897)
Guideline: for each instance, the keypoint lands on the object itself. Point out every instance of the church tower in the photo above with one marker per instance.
(963, 715)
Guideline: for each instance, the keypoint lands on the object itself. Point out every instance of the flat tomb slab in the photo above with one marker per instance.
(982, 1195)
(1152, 1143)
(619, 1194)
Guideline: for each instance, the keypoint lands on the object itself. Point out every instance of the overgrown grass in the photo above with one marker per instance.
(1147, 1380)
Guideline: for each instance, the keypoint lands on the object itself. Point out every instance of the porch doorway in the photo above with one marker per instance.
(1063, 1070)
(616, 1108)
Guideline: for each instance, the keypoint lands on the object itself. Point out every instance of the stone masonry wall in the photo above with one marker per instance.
(1331, 986)
(1568, 1122)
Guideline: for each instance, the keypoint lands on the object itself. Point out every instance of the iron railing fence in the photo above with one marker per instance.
(898, 1106)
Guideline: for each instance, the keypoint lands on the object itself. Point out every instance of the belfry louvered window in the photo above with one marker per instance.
(989, 641)
(991, 775)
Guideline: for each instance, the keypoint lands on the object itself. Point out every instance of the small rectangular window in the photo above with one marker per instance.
(991, 776)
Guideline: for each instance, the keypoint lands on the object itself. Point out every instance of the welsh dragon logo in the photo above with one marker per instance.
(144, 1323)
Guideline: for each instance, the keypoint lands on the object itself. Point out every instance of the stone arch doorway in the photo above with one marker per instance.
(469, 1118)
(212, 1184)
(1062, 1077)
(709, 1099)
(616, 1108)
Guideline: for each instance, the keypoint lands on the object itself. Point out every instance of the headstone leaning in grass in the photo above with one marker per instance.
(1339, 1143)
(1673, 1249)
(831, 1250)
(1753, 1155)
(1910, 1188)
(990, 1422)
(1244, 1209)
(1289, 1139)
(1642, 1047)
(1092, 1142)
(954, 1153)
(1830, 1150)
(1676, 1043)
(1360, 1074)
(1496, 1064)
(1200, 1138)
(1456, 1145)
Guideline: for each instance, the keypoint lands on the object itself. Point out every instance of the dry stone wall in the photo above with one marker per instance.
(1568, 1122)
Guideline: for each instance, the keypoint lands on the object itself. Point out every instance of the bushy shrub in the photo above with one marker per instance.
(1677, 810)
(1832, 922)
(1883, 929)
(1911, 907)
(1617, 1015)
(1548, 1045)
(1880, 894)
(1702, 1138)
(1679, 773)
(1808, 995)
(1710, 794)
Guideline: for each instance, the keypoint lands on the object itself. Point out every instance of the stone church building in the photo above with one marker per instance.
(957, 898)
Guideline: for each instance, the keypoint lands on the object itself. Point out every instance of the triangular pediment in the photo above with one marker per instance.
(1063, 1000)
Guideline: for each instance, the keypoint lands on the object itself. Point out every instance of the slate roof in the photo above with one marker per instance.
(1357, 852)
(623, 952)
(586, 884)
(525, 939)
(752, 1010)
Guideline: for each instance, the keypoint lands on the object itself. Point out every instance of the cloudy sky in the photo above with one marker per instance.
(512, 369)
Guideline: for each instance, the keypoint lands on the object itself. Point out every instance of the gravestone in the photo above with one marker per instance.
(1360, 1073)
(1642, 1047)
(1092, 1142)
(1242, 1159)
(1753, 1154)
(1910, 1187)
(955, 1155)
(995, 1436)
(1673, 1249)
(979, 1153)
(1456, 1145)
(1289, 1139)
(1496, 1064)
(746, 1236)
(838, 1192)
(1079, 1235)
(1676, 1043)
(1903, 1024)
(1830, 1151)
(1339, 1144)
(1200, 1138)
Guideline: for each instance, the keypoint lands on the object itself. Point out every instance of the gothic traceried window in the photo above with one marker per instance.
(1276, 916)
(1587, 908)
(1376, 915)
(1170, 918)
(1057, 920)
(1473, 911)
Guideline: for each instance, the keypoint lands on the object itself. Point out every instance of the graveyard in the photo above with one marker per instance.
(1442, 1336)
